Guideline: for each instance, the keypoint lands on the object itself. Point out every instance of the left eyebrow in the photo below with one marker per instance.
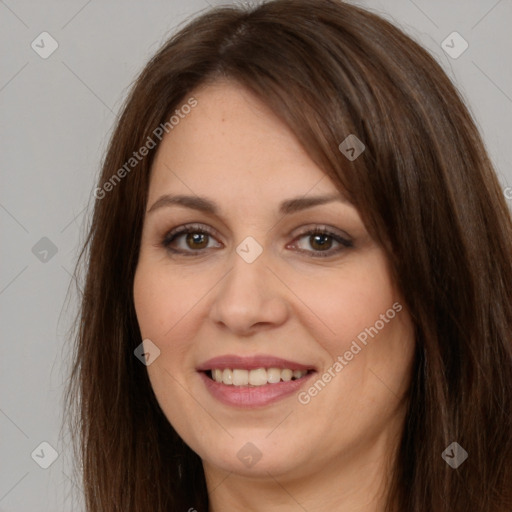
(194, 202)
(205, 205)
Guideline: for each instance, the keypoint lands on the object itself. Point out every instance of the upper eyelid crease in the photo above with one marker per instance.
(207, 206)
(182, 230)
(315, 228)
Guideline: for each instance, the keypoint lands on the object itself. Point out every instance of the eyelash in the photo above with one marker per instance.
(200, 229)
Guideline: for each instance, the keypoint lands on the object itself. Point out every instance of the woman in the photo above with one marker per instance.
(298, 279)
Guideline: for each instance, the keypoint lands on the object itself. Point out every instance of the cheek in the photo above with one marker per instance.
(349, 301)
(167, 304)
(162, 304)
(162, 298)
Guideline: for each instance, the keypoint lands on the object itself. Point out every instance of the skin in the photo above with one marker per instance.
(334, 452)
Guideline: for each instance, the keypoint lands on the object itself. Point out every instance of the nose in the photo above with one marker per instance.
(250, 298)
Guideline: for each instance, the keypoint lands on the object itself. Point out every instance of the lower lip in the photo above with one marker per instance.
(256, 396)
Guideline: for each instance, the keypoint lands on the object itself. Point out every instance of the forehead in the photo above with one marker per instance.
(233, 143)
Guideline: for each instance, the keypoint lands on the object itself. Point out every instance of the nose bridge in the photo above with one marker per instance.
(247, 282)
(249, 294)
(248, 267)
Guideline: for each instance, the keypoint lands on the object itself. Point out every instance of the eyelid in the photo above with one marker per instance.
(339, 236)
(343, 239)
(321, 228)
(183, 228)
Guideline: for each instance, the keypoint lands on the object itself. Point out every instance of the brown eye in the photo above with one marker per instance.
(197, 240)
(189, 240)
(320, 242)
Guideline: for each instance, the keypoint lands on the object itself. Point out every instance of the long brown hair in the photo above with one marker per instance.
(427, 193)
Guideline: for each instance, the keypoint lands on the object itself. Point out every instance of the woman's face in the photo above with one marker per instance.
(276, 276)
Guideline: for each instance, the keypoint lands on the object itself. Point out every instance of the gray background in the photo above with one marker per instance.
(57, 114)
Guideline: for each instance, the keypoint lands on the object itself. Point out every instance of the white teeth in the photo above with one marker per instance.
(286, 375)
(227, 377)
(240, 377)
(257, 377)
(273, 375)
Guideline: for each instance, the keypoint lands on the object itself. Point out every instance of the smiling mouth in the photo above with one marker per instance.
(255, 378)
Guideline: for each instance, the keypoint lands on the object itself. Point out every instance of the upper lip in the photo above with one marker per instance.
(251, 363)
